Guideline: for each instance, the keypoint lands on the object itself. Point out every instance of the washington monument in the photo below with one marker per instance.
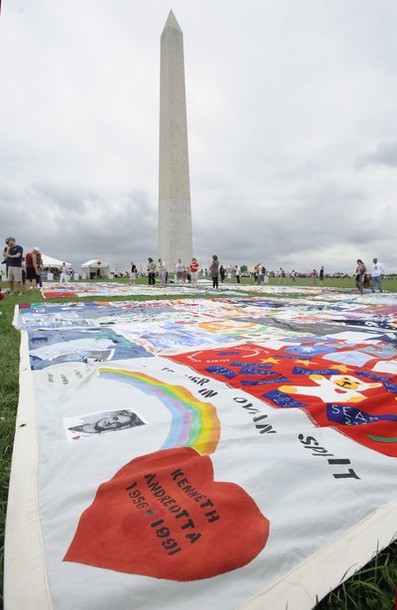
(175, 218)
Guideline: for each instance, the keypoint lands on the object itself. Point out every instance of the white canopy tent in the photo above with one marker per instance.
(95, 268)
(52, 266)
(49, 261)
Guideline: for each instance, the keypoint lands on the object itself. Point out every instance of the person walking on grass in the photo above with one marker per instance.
(133, 273)
(64, 274)
(179, 272)
(32, 268)
(14, 262)
(376, 275)
(151, 271)
(214, 271)
(361, 270)
(314, 276)
(162, 268)
(194, 268)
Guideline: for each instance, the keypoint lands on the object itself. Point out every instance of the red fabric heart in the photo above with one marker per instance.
(163, 515)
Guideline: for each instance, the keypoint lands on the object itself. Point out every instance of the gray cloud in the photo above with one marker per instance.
(77, 225)
(383, 154)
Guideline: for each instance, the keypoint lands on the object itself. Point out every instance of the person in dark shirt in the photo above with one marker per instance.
(214, 270)
(14, 262)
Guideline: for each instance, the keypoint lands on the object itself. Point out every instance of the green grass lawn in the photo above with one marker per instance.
(373, 587)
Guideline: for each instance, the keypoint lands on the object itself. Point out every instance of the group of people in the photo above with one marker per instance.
(26, 270)
(364, 280)
(259, 273)
(22, 270)
(217, 271)
(182, 272)
(318, 275)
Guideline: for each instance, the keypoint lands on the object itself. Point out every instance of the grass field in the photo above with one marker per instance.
(373, 587)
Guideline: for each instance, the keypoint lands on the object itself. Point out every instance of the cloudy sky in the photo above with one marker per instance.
(292, 118)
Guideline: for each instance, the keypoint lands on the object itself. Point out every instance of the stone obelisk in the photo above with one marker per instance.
(175, 217)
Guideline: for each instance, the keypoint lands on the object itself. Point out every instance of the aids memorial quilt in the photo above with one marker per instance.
(117, 288)
(174, 454)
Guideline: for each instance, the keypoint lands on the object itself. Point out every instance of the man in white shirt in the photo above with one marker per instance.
(64, 274)
(376, 275)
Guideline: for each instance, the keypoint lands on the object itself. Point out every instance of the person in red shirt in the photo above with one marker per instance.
(32, 270)
(194, 267)
(314, 276)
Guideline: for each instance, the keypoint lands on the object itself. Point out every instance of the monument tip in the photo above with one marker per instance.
(172, 22)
